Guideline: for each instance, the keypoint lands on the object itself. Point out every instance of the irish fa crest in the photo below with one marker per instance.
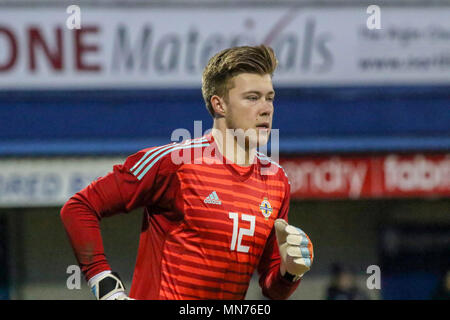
(266, 208)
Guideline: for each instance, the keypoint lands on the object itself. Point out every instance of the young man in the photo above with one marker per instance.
(214, 208)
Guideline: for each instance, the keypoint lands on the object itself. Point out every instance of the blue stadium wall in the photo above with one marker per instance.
(311, 120)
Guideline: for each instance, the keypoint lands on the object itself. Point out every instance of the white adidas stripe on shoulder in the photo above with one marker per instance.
(148, 153)
(262, 156)
(144, 165)
(155, 151)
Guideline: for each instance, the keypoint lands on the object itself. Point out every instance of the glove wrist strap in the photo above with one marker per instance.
(107, 286)
(291, 277)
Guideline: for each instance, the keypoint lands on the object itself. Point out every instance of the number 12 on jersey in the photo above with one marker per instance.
(238, 233)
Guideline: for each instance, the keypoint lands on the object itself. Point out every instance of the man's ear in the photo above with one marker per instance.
(218, 105)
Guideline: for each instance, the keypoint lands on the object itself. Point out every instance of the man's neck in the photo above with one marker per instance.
(230, 148)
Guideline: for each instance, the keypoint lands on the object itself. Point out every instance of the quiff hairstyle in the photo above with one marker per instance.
(231, 62)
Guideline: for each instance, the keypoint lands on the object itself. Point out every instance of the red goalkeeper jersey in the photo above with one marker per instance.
(207, 225)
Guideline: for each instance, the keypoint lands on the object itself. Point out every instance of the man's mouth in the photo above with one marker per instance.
(264, 125)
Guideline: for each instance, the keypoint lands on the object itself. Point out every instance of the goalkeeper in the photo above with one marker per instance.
(210, 222)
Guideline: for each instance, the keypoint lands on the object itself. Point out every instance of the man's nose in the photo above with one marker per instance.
(266, 108)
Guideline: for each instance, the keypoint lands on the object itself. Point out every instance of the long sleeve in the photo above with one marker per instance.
(273, 285)
(136, 183)
(81, 217)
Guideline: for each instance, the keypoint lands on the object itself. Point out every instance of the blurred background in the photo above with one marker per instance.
(363, 109)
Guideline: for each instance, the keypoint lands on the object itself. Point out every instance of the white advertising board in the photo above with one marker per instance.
(169, 47)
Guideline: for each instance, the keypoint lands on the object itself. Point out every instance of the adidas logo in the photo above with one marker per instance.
(212, 198)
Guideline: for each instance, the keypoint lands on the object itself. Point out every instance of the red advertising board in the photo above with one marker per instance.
(383, 176)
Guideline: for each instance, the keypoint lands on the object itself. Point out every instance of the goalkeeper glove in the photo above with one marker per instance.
(296, 250)
(108, 286)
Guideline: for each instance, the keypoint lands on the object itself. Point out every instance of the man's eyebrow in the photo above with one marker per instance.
(258, 92)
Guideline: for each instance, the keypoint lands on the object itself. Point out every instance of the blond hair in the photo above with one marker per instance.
(231, 62)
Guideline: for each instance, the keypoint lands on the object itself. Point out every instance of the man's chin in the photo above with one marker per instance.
(254, 138)
(263, 139)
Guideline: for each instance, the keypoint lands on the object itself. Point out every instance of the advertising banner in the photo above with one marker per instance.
(48, 182)
(51, 182)
(387, 176)
(144, 48)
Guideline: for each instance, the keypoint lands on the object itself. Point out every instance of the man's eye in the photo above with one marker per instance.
(252, 98)
(271, 99)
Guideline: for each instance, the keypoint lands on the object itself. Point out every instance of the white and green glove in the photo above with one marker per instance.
(296, 250)
(107, 286)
